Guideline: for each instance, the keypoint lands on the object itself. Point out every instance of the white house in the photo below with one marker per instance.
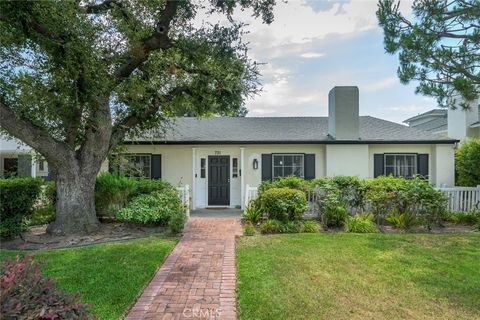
(218, 157)
(457, 124)
(19, 160)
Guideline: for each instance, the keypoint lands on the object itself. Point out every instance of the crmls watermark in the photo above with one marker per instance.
(208, 313)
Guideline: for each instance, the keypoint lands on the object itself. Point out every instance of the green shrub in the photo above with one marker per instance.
(147, 186)
(50, 192)
(310, 226)
(17, 198)
(40, 216)
(155, 208)
(462, 217)
(291, 227)
(283, 203)
(177, 221)
(467, 163)
(112, 193)
(402, 221)
(335, 217)
(270, 226)
(27, 294)
(249, 229)
(291, 182)
(361, 223)
(252, 213)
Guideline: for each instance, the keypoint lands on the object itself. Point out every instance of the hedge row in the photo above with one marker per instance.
(17, 197)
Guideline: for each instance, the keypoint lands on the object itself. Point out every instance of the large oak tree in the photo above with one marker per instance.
(438, 45)
(77, 77)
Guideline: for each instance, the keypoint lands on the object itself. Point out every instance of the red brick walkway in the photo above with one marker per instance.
(197, 281)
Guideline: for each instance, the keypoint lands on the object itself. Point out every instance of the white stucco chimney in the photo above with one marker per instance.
(343, 114)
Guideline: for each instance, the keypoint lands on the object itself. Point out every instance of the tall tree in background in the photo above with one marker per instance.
(439, 46)
(77, 76)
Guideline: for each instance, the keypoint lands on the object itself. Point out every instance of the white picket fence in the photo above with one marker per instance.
(464, 199)
(251, 193)
(184, 193)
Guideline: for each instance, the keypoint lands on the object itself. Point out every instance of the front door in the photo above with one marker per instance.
(219, 180)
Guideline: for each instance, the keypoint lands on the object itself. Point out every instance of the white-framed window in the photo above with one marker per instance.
(285, 165)
(400, 165)
(136, 165)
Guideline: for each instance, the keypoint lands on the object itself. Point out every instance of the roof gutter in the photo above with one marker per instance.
(449, 141)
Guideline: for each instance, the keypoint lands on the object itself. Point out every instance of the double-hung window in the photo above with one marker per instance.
(136, 165)
(285, 165)
(400, 165)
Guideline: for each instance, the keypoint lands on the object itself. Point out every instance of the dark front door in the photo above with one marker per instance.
(219, 180)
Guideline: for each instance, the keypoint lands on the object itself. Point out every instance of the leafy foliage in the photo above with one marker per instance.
(249, 229)
(462, 217)
(27, 294)
(283, 203)
(17, 197)
(163, 208)
(439, 47)
(77, 77)
(252, 213)
(270, 226)
(310, 226)
(39, 216)
(402, 221)
(112, 193)
(291, 182)
(361, 223)
(467, 163)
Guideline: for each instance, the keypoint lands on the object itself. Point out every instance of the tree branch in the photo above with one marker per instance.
(123, 126)
(158, 40)
(101, 7)
(32, 135)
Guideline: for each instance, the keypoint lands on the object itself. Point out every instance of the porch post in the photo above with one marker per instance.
(242, 177)
(33, 166)
(194, 180)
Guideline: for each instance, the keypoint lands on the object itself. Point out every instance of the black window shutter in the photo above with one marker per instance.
(309, 166)
(378, 167)
(266, 167)
(156, 172)
(422, 165)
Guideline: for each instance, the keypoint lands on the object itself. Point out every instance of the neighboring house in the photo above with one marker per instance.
(218, 157)
(457, 124)
(19, 160)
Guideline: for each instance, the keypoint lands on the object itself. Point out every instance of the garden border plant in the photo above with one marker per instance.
(395, 200)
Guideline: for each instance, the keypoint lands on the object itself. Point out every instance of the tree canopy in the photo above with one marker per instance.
(78, 76)
(439, 46)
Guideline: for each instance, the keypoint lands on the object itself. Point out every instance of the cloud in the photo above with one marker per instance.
(312, 55)
(324, 5)
(380, 85)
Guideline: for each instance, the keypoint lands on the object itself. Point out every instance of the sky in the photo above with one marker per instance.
(315, 45)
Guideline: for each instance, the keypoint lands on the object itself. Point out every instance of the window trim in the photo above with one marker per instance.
(138, 154)
(415, 165)
(288, 154)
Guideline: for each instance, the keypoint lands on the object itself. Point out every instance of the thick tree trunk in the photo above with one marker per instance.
(75, 206)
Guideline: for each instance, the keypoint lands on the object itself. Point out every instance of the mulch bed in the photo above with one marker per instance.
(37, 238)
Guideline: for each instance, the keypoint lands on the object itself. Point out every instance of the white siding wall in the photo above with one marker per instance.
(348, 160)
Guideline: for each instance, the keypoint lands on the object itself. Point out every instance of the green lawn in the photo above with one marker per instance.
(108, 276)
(359, 276)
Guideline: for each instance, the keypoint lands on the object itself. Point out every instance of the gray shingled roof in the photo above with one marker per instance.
(433, 112)
(281, 130)
(435, 125)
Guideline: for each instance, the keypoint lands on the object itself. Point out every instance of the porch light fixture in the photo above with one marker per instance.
(255, 164)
